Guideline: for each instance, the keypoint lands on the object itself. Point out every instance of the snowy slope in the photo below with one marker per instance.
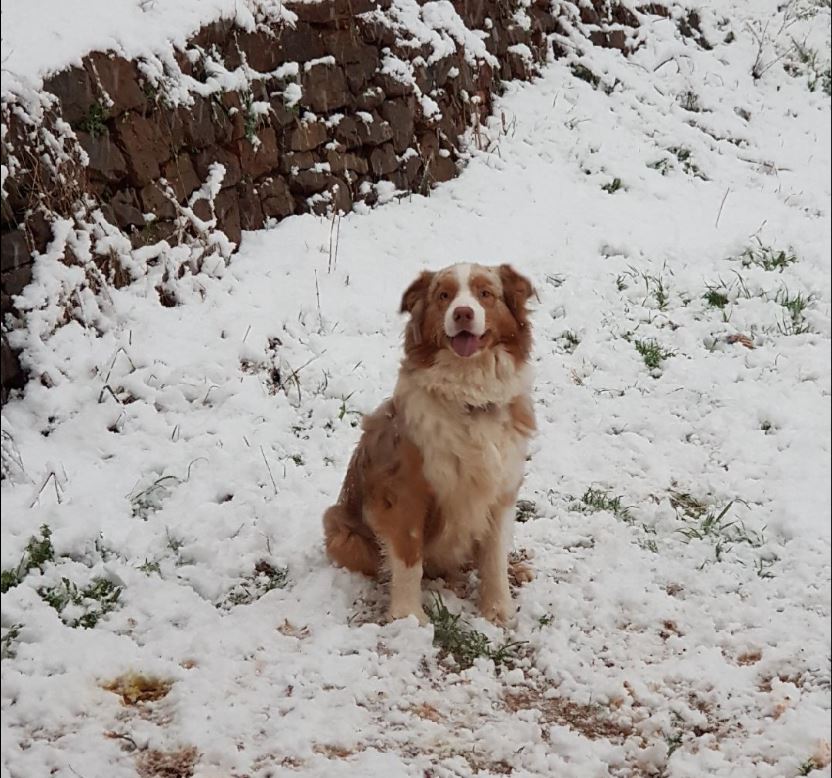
(664, 634)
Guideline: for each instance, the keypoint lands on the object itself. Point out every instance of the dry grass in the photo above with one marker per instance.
(334, 752)
(134, 688)
(591, 721)
(425, 711)
(520, 573)
(749, 657)
(167, 764)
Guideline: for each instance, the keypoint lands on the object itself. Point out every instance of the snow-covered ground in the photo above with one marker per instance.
(683, 629)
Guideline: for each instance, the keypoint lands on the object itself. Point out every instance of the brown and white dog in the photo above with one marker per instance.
(434, 479)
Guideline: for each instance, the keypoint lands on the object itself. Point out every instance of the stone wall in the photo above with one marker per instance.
(304, 117)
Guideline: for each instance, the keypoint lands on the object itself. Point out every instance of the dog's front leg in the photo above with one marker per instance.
(492, 562)
(405, 587)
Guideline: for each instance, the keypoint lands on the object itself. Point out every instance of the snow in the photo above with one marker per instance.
(238, 410)
(33, 49)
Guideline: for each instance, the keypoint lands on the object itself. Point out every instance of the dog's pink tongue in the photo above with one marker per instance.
(465, 344)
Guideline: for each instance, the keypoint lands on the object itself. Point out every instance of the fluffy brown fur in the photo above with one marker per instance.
(433, 481)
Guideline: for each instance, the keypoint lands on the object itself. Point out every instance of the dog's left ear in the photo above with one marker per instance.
(517, 290)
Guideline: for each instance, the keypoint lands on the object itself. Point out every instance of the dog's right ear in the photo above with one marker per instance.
(416, 292)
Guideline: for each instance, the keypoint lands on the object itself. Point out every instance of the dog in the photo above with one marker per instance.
(433, 482)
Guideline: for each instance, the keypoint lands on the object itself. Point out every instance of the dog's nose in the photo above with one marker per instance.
(463, 315)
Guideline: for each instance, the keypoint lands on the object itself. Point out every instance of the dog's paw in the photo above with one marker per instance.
(498, 611)
(520, 573)
(403, 613)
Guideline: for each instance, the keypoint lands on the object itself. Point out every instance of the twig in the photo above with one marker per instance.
(54, 478)
(721, 206)
(274, 485)
(318, 300)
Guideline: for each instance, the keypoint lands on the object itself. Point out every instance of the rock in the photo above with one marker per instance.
(346, 132)
(359, 60)
(14, 252)
(383, 160)
(375, 132)
(354, 132)
(40, 230)
(106, 162)
(153, 233)
(296, 160)
(17, 279)
(280, 115)
(251, 211)
(118, 81)
(275, 197)
(181, 175)
(74, 89)
(154, 201)
(12, 372)
(261, 50)
(307, 136)
(369, 98)
(309, 182)
(229, 160)
(204, 123)
(126, 209)
(375, 31)
(337, 198)
(171, 123)
(301, 43)
(442, 168)
(323, 13)
(414, 173)
(144, 145)
(227, 208)
(340, 161)
(399, 114)
(257, 159)
(214, 34)
(324, 88)
(236, 114)
(391, 86)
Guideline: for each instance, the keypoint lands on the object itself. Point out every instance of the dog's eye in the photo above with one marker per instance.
(443, 295)
(485, 293)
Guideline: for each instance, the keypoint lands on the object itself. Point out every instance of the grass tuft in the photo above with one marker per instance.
(689, 100)
(652, 353)
(685, 158)
(795, 305)
(595, 500)
(767, 258)
(95, 121)
(264, 579)
(525, 510)
(569, 341)
(655, 287)
(716, 298)
(8, 642)
(91, 603)
(146, 501)
(703, 522)
(585, 74)
(613, 186)
(37, 553)
(456, 638)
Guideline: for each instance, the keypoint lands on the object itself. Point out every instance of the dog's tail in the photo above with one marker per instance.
(347, 547)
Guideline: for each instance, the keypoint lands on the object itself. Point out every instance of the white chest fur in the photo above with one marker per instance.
(473, 456)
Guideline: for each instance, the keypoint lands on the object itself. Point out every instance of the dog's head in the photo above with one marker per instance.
(467, 310)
